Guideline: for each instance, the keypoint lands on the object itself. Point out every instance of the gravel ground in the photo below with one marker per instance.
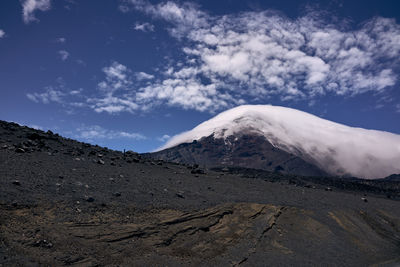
(63, 202)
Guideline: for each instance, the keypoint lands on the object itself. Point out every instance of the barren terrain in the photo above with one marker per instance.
(63, 202)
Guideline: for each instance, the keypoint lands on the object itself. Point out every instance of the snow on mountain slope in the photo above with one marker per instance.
(335, 148)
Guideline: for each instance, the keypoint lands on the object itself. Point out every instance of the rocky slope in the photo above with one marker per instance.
(68, 203)
(336, 149)
(247, 151)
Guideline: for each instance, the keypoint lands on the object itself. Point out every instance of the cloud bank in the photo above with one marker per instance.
(251, 57)
(2, 33)
(335, 148)
(235, 58)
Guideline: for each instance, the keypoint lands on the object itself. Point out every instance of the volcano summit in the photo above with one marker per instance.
(288, 140)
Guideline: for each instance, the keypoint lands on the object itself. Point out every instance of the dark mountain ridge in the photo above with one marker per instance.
(245, 150)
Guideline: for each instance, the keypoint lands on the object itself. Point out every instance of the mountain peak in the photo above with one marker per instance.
(335, 148)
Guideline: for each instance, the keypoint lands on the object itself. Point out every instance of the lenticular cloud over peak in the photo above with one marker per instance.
(335, 148)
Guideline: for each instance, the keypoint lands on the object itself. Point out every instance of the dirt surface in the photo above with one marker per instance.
(68, 203)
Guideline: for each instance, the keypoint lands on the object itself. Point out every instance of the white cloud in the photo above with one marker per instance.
(30, 6)
(112, 104)
(256, 55)
(34, 126)
(80, 62)
(50, 95)
(76, 92)
(2, 33)
(144, 76)
(60, 94)
(96, 132)
(63, 55)
(61, 40)
(117, 77)
(116, 91)
(144, 27)
(251, 57)
(164, 138)
(183, 16)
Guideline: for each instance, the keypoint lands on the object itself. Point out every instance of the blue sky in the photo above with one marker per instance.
(130, 73)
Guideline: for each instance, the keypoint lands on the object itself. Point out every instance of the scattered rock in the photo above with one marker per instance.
(197, 171)
(364, 199)
(89, 199)
(180, 194)
(16, 182)
(42, 243)
(35, 136)
(100, 161)
(328, 189)
(20, 150)
(117, 194)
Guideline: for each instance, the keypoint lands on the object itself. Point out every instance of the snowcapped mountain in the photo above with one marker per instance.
(332, 147)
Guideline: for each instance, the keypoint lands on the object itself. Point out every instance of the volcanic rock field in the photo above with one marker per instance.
(67, 203)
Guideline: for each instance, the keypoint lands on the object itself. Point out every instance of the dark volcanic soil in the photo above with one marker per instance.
(68, 203)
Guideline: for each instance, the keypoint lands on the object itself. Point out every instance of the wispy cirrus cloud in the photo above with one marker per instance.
(96, 132)
(50, 94)
(29, 7)
(60, 94)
